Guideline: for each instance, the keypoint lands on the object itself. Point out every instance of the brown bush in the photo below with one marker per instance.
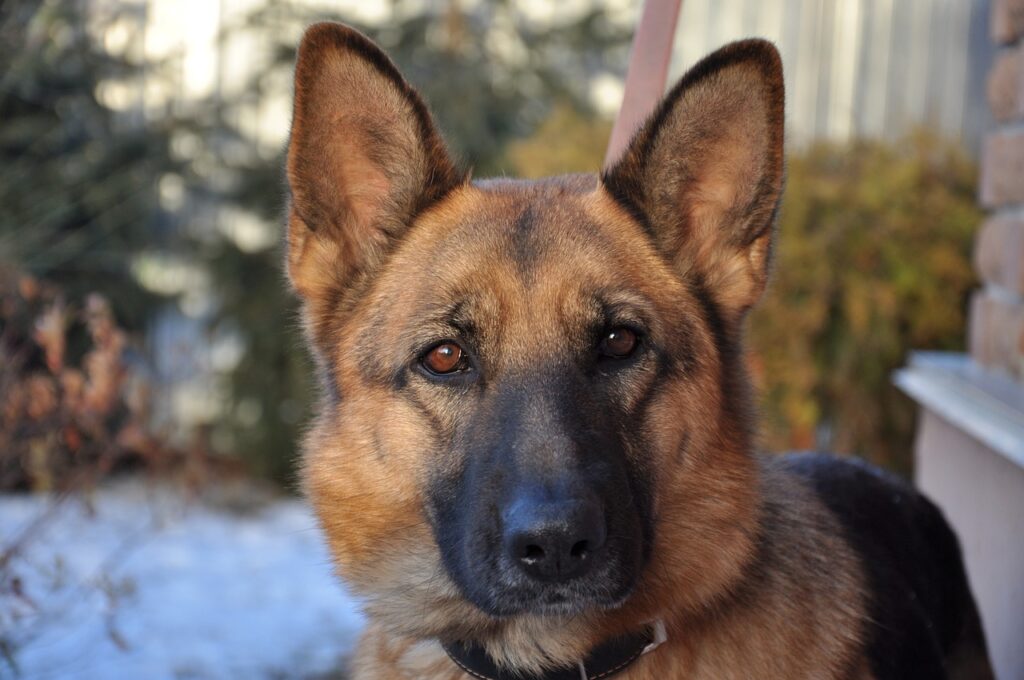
(873, 261)
(72, 408)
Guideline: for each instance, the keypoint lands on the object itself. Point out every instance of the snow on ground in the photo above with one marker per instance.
(149, 585)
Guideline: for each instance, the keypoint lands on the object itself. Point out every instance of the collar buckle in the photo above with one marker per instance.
(658, 637)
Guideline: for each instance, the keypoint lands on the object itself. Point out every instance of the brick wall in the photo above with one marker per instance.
(996, 335)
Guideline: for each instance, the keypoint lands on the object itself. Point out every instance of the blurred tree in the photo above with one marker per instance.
(489, 73)
(873, 260)
(567, 141)
(79, 193)
(66, 424)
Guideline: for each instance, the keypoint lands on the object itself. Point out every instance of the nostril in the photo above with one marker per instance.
(554, 541)
(532, 553)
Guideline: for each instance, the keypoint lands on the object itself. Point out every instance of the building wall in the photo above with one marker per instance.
(970, 459)
(861, 68)
(996, 333)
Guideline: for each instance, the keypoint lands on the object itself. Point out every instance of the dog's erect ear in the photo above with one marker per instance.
(705, 172)
(363, 159)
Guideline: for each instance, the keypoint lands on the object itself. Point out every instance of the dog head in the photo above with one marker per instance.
(535, 407)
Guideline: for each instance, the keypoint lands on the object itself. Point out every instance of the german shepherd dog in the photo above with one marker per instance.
(534, 456)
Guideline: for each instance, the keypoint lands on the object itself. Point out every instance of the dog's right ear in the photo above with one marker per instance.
(364, 157)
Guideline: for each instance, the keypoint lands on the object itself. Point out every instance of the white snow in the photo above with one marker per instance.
(151, 585)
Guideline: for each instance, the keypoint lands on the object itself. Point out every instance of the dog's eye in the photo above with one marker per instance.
(445, 358)
(618, 343)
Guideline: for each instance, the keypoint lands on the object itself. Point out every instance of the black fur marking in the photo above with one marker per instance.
(461, 319)
(713, 317)
(436, 424)
(330, 391)
(734, 385)
(523, 245)
(664, 369)
(623, 193)
(920, 602)
(526, 245)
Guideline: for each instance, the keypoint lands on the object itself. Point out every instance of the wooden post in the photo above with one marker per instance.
(648, 70)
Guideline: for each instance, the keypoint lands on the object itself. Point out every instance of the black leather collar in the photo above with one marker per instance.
(604, 661)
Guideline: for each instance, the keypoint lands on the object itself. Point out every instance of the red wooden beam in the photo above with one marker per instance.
(648, 70)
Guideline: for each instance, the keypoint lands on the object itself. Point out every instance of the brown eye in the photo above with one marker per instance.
(619, 343)
(444, 359)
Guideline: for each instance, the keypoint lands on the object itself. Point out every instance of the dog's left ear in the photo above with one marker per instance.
(705, 172)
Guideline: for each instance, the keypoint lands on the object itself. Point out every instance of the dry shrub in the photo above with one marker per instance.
(873, 261)
(73, 405)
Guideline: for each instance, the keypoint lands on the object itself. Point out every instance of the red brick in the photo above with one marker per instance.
(996, 335)
(1002, 169)
(1006, 86)
(1007, 20)
(999, 253)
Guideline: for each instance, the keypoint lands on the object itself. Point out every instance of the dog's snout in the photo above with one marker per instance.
(554, 540)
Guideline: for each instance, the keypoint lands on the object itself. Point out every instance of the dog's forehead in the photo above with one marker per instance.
(514, 243)
(516, 230)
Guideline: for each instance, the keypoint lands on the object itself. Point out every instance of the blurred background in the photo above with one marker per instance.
(147, 338)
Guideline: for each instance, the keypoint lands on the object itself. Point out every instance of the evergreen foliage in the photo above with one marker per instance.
(79, 190)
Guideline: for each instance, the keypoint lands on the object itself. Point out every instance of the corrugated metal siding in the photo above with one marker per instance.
(861, 68)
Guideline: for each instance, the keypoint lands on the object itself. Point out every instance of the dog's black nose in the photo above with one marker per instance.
(554, 540)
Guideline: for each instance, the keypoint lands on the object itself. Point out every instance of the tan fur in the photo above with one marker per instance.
(745, 569)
